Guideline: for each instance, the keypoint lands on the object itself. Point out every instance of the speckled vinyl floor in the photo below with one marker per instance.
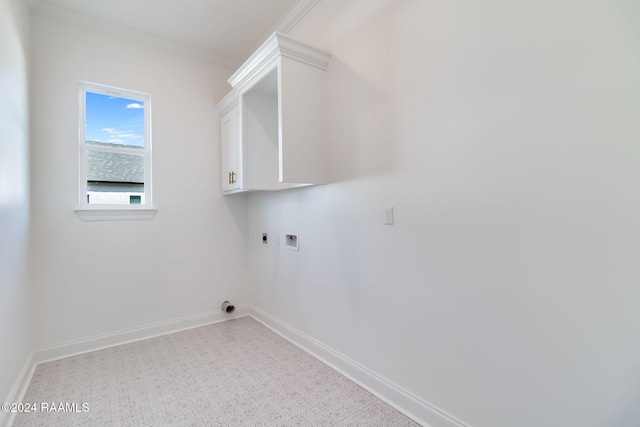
(234, 373)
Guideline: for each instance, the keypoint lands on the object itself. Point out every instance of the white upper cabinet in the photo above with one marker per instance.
(231, 145)
(281, 137)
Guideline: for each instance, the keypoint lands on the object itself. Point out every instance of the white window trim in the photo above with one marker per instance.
(118, 214)
(89, 212)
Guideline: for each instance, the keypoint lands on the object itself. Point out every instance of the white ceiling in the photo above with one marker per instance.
(225, 31)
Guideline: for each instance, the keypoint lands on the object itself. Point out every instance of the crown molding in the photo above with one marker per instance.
(278, 45)
(227, 103)
(289, 20)
(46, 9)
(294, 15)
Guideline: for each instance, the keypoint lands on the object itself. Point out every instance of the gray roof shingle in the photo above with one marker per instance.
(114, 167)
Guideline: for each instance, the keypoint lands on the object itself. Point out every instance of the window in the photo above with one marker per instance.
(115, 150)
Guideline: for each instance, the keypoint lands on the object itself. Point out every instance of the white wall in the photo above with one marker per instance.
(505, 134)
(100, 277)
(15, 324)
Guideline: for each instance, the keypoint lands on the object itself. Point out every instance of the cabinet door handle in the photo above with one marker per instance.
(229, 177)
(233, 177)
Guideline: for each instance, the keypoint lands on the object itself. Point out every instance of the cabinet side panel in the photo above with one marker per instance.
(260, 133)
(302, 145)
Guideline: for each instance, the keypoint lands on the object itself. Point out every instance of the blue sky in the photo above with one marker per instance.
(113, 119)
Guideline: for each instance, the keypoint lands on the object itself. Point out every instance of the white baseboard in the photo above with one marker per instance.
(18, 390)
(415, 408)
(99, 342)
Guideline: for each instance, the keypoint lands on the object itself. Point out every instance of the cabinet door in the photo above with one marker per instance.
(231, 151)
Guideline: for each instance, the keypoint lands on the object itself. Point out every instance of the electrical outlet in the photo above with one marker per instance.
(265, 239)
(291, 241)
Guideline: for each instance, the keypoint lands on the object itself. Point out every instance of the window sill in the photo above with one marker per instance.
(115, 214)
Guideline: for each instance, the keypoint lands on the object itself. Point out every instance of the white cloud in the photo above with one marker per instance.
(135, 105)
(129, 135)
(116, 141)
(108, 130)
